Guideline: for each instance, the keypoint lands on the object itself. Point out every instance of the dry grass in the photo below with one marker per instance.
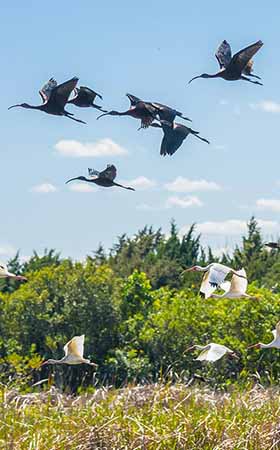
(154, 416)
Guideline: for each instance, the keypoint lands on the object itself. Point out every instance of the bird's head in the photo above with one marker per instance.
(20, 105)
(109, 113)
(258, 345)
(81, 178)
(203, 75)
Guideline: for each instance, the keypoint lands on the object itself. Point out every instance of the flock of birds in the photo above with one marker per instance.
(55, 97)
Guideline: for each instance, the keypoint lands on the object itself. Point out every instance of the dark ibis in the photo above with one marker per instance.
(54, 96)
(84, 97)
(166, 113)
(234, 67)
(104, 178)
(174, 135)
(138, 110)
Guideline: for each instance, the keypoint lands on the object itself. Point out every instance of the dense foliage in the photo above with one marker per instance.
(138, 314)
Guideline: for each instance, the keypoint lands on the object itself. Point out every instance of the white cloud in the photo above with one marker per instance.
(268, 204)
(82, 187)
(76, 149)
(185, 202)
(267, 106)
(142, 183)
(232, 227)
(181, 184)
(44, 188)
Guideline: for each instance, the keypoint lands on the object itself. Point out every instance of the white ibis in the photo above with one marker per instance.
(275, 343)
(234, 67)
(4, 273)
(236, 288)
(212, 352)
(215, 274)
(74, 353)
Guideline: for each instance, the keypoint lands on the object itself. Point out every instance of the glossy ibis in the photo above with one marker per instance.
(84, 97)
(74, 353)
(234, 67)
(174, 135)
(138, 110)
(4, 273)
(55, 97)
(104, 178)
(164, 112)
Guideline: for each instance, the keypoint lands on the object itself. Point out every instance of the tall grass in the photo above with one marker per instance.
(156, 416)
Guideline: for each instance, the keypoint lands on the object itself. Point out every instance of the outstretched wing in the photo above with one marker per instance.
(248, 69)
(172, 139)
(215, 352)
(62, 92)
(277, 330)
(242, 58)
(47, 89)
(239, 285)
(89, 93)
(93, 173)
(206, 288)
(164, 112)
(133, 99)
(75, 346)
(110, 172)
(217, 274)
(223, 54)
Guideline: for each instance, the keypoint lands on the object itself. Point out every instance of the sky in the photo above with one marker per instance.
(151, 50)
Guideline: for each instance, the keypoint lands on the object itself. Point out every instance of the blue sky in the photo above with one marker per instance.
(149, 49)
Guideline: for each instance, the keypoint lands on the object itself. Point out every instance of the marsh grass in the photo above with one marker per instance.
(155, 416)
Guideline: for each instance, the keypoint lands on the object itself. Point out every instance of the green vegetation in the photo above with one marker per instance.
(138, 314)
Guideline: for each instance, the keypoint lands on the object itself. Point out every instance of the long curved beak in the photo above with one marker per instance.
(190, 269)
(194, 78)
(101, 115)
(16, 277)
(13, 106)
(189, 349)
(72, 179)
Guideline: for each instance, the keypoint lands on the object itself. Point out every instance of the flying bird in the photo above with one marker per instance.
(236, 288)
(234, 67)
(74, 353)
(215, 274)
(138, 110)
(212, 352)
(104, 178)
(54, 96)
(4, 273)
(174, 135)
(84, 97)
(272, 244)
(275, 343)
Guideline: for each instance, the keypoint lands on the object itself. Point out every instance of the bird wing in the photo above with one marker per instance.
(248, 69)
(239, 285)
(133, 99)
(215, 352)
(223, 54)
(92, 173)
(225, 286)
(110, 172)
(164, 112)
(241, 58)
(206, 287)
(89, 93)
(75, 346)
(172, 140)
(61, 93)
(47, 89)
(218, 273)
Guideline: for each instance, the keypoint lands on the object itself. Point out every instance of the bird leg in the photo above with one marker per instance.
(124, 187)
(201, 138)
(73, 118)
(186, 118)
(251, 81)
(253, 75)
